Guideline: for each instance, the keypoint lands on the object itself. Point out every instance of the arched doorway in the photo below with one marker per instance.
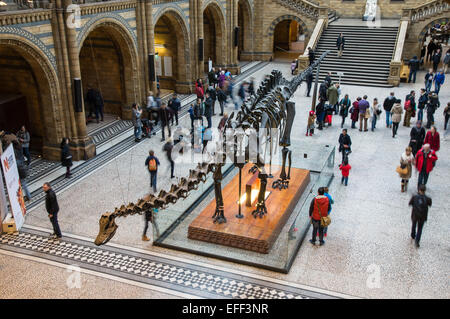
(29, 96)
(214, 35)
(108, 65)
(245, 24)
(287, 37)
(172, 59)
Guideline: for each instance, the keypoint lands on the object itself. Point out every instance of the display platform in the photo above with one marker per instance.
(172, 224)
(250, 233)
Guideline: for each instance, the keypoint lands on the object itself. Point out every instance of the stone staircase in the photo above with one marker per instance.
(367, 54)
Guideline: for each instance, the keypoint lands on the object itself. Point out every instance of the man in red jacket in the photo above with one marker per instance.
(425, 161)
(433, 139)
(317, 209)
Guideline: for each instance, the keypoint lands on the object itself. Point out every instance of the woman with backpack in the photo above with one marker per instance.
(344, 105)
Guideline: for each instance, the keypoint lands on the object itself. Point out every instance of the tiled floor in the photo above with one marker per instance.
(369, 236)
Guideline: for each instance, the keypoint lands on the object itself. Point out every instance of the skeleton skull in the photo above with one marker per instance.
(107, 230)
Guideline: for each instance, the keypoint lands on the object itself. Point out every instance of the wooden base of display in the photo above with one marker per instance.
(250, 233)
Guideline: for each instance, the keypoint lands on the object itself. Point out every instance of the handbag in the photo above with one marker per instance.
(324, 221)
(401, 171)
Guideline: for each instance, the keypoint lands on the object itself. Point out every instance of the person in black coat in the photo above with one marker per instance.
(52, 207)
(222, 98)
(208, 108)
(311, 55)
(430, 50)
(323, 91)
(419, 214)
(164, 116)
(413, 67)
(90, 101)
(175, 105)
(66, 156)
(320, 111)
(309, 81)
(99, 103)
(436, 59)
(417, 137)
(168, 147)
(340, 42)
(212, 93)
(345, 143)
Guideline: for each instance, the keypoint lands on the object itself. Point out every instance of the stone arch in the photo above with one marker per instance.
(114, 34)
(421, 37)
(274, 23)
(43, 99)
(245, 23)
(214, 43)
(175, 20)
(270, 33)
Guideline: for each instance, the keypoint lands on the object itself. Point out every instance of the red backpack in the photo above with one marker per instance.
(407, 104)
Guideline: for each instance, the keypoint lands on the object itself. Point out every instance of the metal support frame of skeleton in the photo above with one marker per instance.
(268, 109)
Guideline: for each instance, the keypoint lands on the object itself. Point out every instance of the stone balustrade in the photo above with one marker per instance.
(426, 10)
(310, 9)
(25, 16)
(303, 59)
(108, 6)
(396, 62)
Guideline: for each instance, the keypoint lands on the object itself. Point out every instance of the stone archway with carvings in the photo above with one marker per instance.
(172, 39)
(41, 89)
(109, 63)
(245, 23)
(214, 33)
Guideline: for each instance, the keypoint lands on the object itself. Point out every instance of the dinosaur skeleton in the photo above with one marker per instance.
(267, 111)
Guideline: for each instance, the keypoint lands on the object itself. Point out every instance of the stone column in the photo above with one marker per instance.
(231, 24)
(200, 35)
(150, 39)
(81, 145)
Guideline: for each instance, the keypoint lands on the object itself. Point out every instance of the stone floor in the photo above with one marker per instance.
(371, 217)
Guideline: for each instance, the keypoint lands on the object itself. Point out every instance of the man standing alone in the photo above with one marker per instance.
(51, 204)
(419, 214)
(340, 42)
(413, 67)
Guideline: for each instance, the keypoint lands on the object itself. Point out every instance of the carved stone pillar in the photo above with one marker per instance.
(81, 144)
(150, 38)
(231, 24)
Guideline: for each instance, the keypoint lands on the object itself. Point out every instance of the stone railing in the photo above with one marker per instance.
(426, 10)
(396, 62)
(24, 16)
(303, 59)
(310, 9)
(157, 2)
(106, 6)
